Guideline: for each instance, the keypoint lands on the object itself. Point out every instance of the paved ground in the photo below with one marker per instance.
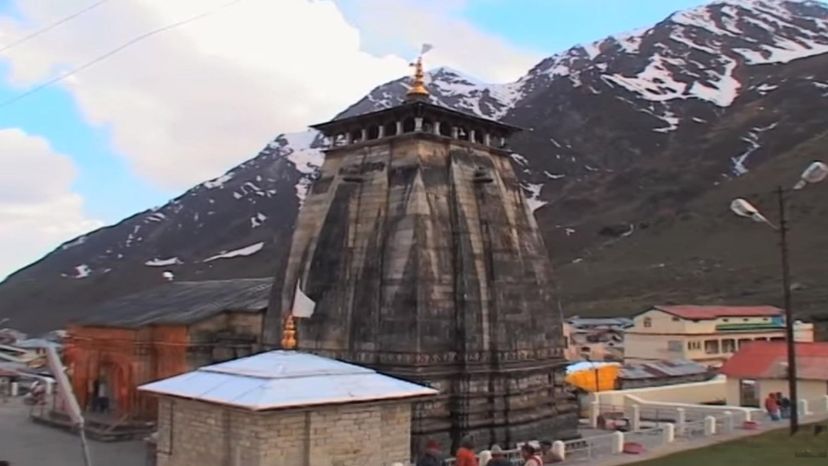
(24, 443)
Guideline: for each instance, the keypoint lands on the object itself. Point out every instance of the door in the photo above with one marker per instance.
(748, 393)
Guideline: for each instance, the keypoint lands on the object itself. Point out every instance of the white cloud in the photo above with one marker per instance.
(38, 209)
(393, 25)
(186, 104)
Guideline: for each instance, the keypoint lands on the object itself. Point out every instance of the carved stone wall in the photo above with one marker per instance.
(426, 263)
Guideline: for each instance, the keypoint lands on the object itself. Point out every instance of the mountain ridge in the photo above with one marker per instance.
(622, 136)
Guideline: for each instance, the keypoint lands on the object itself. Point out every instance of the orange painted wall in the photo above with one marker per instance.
(127, 358)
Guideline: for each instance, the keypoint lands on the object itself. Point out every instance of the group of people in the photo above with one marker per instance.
(495, 456)
(778, 406)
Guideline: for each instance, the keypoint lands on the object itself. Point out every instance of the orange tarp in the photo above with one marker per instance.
(599, 378)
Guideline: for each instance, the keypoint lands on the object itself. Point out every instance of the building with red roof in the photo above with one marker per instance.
(761, 368)
(704, 334)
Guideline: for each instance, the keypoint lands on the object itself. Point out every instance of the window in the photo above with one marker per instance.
(711, 346)
(765, 319)
(676, 319)
(728, 345)
(742, 341)
(693, 345)
(674, 346)
(745, 319)
(725, 320)
(648, 322)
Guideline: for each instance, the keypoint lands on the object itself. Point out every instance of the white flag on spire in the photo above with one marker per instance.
(426, 48)
(303, 306)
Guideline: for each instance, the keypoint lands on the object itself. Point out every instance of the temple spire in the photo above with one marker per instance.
(418, 90)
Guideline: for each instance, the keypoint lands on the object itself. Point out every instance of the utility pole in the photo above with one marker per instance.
(789, 319)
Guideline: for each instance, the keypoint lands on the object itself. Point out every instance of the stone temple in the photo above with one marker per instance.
(425, 262)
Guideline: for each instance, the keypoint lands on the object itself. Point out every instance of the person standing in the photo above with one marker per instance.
(432, 455)
(498, 457)
(465, 454)
(784, 405)
(547, 455)
(103, 396)
(93, 390)
(530, 455)
(772, 406)
(5, 389)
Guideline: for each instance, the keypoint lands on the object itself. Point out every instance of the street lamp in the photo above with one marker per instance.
(816, 172)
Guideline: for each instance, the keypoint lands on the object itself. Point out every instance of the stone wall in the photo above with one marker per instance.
(426, 263)
(194, 433)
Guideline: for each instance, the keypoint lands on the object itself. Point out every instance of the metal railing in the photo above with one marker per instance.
(692, 429)
(588, 448)
(649, 438)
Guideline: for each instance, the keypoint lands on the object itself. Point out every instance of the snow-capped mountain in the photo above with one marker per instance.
(628, 140)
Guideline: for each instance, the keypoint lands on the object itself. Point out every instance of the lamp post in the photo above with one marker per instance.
(815, 173)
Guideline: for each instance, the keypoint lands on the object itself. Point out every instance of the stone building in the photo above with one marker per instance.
(162, 332)
(425, 262)
(284, 408)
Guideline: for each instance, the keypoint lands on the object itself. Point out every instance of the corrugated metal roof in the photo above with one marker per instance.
(285, 379)
(714, 312)
(601, 321)
(769, 359)
(183, 302)
(35, 343)
(661, 369)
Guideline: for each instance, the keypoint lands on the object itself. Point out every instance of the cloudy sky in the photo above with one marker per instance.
(187, 104)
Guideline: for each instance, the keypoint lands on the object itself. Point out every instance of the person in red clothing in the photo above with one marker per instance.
(465, 454)
(772, 407)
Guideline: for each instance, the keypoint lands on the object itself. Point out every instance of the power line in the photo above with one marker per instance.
(114, 51)
(57, 23)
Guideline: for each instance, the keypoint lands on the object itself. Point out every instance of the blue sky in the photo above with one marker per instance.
(120, 169)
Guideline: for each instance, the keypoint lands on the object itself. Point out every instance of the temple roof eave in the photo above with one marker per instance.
(411, 109)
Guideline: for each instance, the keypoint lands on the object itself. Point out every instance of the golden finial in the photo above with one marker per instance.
(418, 89)
(289, 334)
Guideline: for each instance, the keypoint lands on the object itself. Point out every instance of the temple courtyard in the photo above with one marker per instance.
(24, 443)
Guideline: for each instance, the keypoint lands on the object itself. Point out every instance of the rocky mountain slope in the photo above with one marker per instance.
(634, 146)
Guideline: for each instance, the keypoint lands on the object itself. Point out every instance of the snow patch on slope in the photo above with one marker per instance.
(533, 197)
(156, 262)
(305, 158)
(752, 138)
(241, 252)
(82, 271)
(218, 182)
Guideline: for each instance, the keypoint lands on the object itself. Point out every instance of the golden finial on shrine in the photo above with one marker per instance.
(289, 334)
(418, 89)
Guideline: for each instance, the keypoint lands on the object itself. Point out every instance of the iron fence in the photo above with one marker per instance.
(588, 448)
(649, 438)
(692, 429)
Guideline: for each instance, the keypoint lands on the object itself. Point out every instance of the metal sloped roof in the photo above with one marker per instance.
(714, 312)
(183, 303)
(768, 359)
(285, 379)
(659, 369)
